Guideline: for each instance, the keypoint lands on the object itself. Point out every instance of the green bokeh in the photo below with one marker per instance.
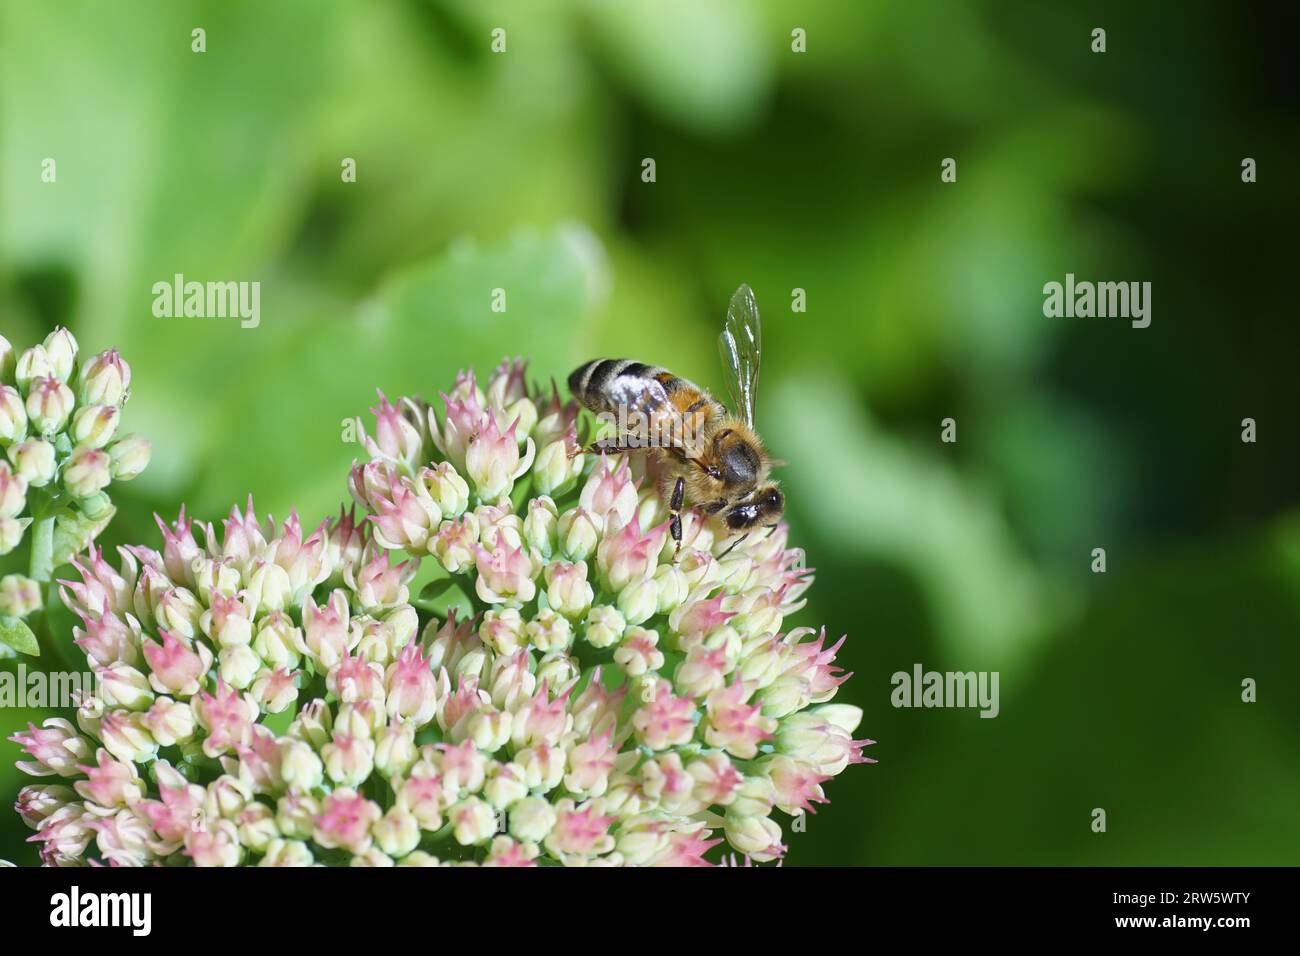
(817, 171)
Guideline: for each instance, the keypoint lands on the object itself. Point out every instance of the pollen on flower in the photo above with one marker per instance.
(495, 657)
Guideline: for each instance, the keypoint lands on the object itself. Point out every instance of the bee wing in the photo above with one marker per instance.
(741, 345)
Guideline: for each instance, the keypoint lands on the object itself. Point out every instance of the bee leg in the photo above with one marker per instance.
(609, 446)
(733, 546)
(675, 521)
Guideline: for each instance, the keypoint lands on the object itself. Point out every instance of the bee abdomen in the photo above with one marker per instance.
(590, 383)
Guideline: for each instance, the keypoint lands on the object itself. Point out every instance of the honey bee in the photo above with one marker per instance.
(707, 457)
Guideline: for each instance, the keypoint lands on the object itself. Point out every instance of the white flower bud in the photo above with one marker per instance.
(95, 425)
(604, 626)
(130, 456)
(33, 459)
(531, 819)
(61, 350)
(13, 415)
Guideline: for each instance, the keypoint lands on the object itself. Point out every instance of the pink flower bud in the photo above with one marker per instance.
(733, 725)
(508, 382)
(345, 821)
(380, 584)
(610, 494)
(216, 844)
(404, 515)
(86, 472)
(274, 690)
(13, 492)
(36, 803)
(665, 780)
(396, 438)
(627, 555)
(55, 748)
(424, 799)
(49, 404)
(180, 612)
(579, 832)
(492, 459)
(112, 784)
(505, 574)
(296, 813)
(664, 721)
(326, 629)
(412, 688)
(105, 379)
(227, 717)
(175, 667)
(19, 595)
(455, 543)
(106, 638)
(590, 763)
(279, 643)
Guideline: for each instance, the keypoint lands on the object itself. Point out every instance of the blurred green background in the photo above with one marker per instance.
(817, 171)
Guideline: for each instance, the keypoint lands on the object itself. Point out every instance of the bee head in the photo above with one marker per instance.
(763, 507)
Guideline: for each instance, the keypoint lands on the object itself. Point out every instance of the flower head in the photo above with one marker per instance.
(460, 675)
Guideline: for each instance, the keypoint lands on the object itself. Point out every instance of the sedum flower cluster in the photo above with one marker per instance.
(59, 434)
(499, 661)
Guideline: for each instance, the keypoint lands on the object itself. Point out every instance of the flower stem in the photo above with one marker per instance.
(40, 568)
(41, 564)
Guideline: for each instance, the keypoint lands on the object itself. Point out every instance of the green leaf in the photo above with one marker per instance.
(436, 589)
(74, 532)
(15, 633)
